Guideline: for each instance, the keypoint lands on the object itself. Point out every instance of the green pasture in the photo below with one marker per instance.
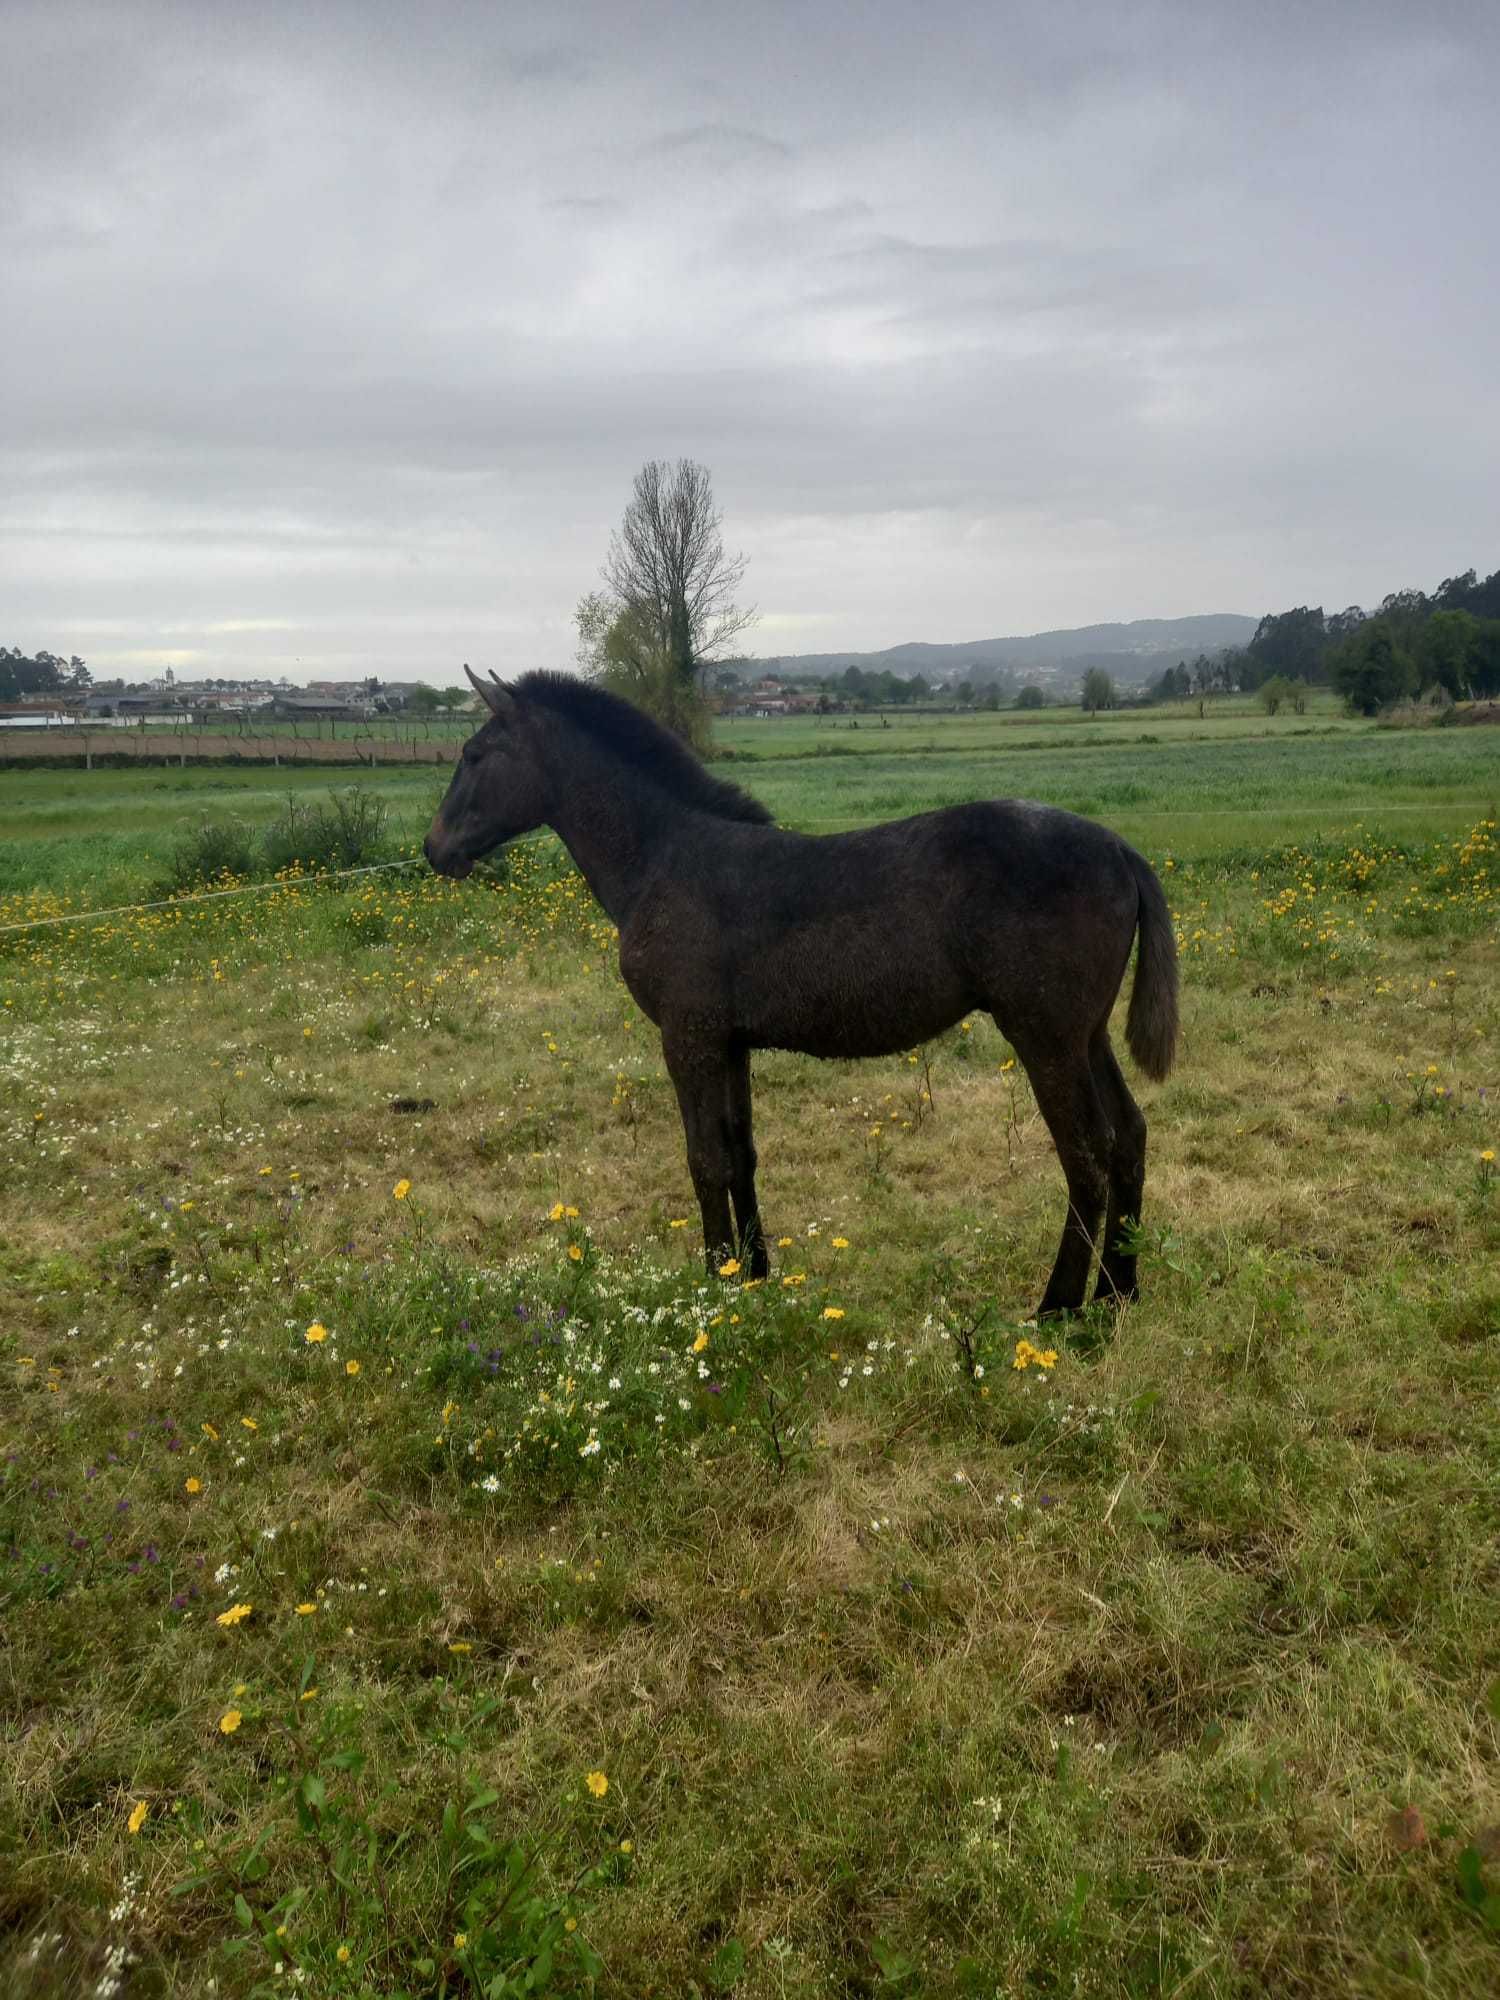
(1168, 781)
(900, 730)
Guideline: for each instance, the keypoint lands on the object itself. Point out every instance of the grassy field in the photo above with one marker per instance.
(1170, 782)
(415, 1577)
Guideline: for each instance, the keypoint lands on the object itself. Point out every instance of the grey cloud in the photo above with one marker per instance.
(723, 144)
(332, 331)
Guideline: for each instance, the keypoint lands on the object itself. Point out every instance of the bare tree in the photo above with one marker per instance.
(669, 571)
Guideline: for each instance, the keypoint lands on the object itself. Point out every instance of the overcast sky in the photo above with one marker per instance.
(334, 334)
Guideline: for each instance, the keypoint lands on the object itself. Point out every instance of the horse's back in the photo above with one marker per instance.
(867, 942)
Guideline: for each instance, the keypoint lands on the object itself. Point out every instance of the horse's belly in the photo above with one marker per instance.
(841, 1008)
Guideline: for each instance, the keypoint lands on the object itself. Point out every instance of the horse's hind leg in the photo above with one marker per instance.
(1068, 1099)
(1127, 1171)
(740, 1136)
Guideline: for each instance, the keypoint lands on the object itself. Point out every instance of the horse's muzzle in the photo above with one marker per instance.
(444, 858)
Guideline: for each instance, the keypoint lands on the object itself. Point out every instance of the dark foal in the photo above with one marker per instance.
(736, 935)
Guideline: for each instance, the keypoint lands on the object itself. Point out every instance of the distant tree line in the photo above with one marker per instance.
(878, 690)
(1413, 642)
(24, 674)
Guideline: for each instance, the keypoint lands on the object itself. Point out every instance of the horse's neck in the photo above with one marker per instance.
(613, 823)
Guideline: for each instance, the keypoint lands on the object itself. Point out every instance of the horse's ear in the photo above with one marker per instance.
(495, 695)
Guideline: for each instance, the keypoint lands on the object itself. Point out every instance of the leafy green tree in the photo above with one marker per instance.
(1449, 643)
(1469, 593)
(23, 674)
(1293, 643)
(1098, 690)
(1370, 671)
(620, 649)
(1484, 665)
(1340, 624)
(1031, 696)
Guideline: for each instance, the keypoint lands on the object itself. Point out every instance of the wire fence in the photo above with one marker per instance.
(91, 919)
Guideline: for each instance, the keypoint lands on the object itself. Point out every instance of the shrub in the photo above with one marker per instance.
(343, 833)
(209, 853)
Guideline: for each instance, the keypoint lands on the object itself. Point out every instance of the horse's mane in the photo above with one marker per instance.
(654, 751)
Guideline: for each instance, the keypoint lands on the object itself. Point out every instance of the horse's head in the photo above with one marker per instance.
(496, 789)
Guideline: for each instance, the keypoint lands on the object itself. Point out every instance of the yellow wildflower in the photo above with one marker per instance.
(351, 1367)
(678, 1222)
(728, 1268)
(841, 1243)
(230, 1721)
(342, 1954)
(833, 1312)
(575, 1253)
(460, 1646)
(192, 1485)
(137, 1817)
(234, 1614)
(700, 1343)
(401, 1190)
(306, 1610)
(597, 1783)
(210, 1432)
(1026, 1354)
(315, 1333)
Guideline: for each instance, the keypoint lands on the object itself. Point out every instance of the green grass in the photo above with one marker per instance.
(1170, 1669)
(106, 836)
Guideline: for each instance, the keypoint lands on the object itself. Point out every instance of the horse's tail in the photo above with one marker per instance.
(1151, 1024)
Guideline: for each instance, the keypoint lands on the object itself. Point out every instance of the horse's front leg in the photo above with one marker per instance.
(700, 1077)
(739, 1133)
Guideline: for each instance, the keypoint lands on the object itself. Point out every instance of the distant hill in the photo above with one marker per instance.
(1134, 652)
